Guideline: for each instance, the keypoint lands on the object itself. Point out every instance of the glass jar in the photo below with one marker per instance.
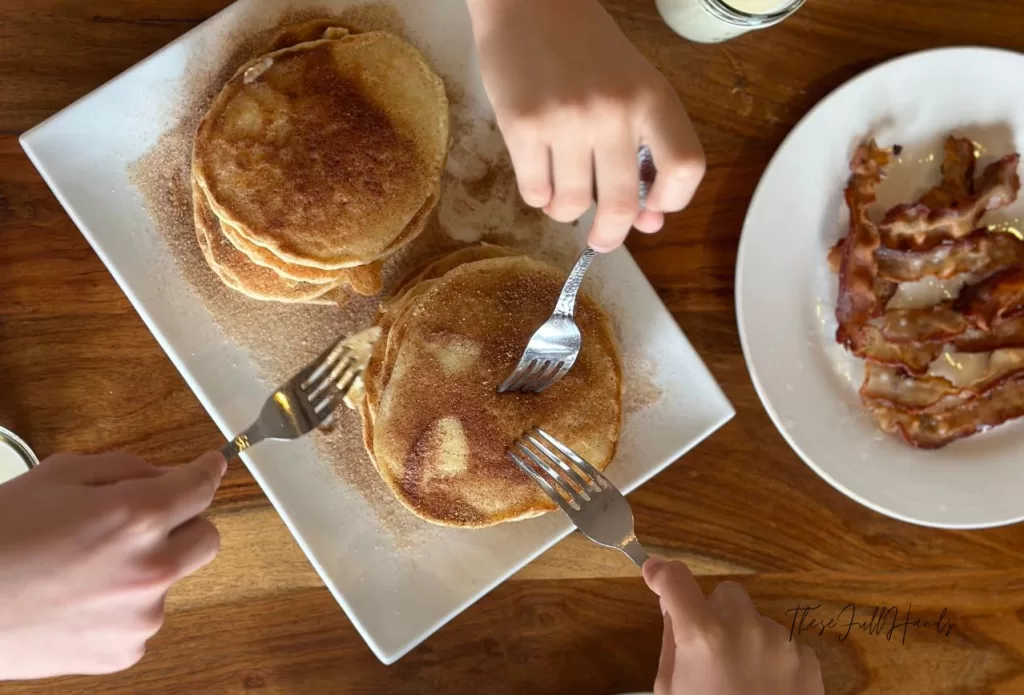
(713, 21)
(15, 456)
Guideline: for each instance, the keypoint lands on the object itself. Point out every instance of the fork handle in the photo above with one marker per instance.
(645, 162)
(234, 447)
(250, 437)
(567, 299)
(634, 551)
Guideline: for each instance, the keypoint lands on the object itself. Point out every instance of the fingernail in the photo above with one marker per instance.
(655, 561)
(651, 567)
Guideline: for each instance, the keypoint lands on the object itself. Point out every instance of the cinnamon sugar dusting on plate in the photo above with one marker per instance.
(639, 389)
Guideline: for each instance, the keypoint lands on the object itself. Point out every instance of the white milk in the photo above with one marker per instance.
(758, 6)
(712, 21)
(11, 463)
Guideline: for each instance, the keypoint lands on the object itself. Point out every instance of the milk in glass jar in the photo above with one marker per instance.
(15, 456)
(712, 21)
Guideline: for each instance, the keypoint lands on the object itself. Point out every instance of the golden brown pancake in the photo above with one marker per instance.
(438, 430)
(440, 266)
(366, 280)
(312, 30)
(325, 153)
(415, 284)
(263, 257)
(363, 279)
(239, 273)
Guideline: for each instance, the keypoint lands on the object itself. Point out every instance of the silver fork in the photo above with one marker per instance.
(554, 347)
(307, 400)
(581, 491)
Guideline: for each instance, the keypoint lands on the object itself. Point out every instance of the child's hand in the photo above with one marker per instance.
(721, 645)
(575, 101)
(89, 547)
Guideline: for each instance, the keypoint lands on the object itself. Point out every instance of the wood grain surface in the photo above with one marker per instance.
(79, 371)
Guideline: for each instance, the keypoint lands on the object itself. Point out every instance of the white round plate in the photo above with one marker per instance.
(786, 295)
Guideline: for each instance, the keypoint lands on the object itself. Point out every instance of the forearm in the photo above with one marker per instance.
(484, 14)
(491, 15)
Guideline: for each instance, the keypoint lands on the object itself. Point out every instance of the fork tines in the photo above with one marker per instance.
(568, 479)
(331, 375)
(535, 375)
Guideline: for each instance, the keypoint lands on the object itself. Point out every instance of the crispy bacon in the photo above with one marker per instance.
(862, 294)
(914, 338)
(857, 302)
(1008, 334)
(980, 252)
(936, 237)
(995, 299)
(869, 343)
(884, 291)
(893, 387)
(919, 227)
(835, 255)
(939, 323)
(957, 175)
(926, 430)
(916, 344)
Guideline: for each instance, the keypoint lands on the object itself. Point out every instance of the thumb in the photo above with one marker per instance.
(677, 154)
(667, 661)
(681, 598)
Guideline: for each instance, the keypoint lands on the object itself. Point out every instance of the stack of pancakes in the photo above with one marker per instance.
(317, 161)
(433, 422)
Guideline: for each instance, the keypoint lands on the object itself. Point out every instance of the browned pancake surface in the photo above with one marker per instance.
(325, 153)
(438, 428)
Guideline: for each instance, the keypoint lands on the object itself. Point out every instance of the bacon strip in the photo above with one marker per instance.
(1003, 402)
(869, 343)
(957, 175)
(915, 346)
(995, 299)
(919, 227)
(913, 338)
(884, 291)
(1008, 334)
(980, 252)
(835, 255)
(857, 302)
(939, 323)
(892, 387)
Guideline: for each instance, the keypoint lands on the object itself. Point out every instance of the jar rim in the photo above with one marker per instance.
(727, 13)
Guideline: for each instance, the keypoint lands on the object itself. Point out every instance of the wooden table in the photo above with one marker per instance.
(79, 371)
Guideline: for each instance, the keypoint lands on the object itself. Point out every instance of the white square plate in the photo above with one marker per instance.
(396, 597)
